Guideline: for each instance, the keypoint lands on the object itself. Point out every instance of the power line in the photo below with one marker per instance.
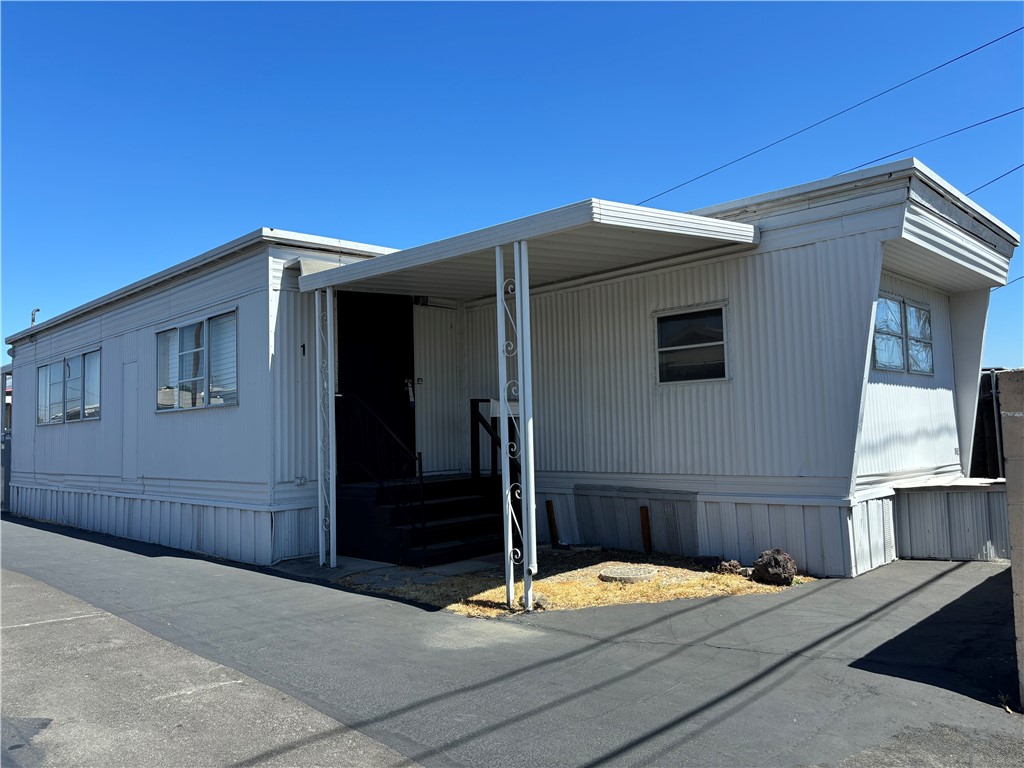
(997, 178)
(929, 141)
(832, 116)
(1009, 283)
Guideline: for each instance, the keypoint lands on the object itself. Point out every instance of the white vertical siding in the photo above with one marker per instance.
(944, 524)
(816, 536)
(441, 426)
(910, 419)
(565, 516)
(222, 447)
(233, 533)
(293, 378)
(823, 540)
(871, 524)
(797, 324)
(294, 533)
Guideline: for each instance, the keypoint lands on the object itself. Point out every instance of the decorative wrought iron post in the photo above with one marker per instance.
(516, 419)
(525, 358)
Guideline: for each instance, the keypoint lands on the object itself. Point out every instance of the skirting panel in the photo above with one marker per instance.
(295, 533)
(824, 540)
(259, 537)
(947, 524)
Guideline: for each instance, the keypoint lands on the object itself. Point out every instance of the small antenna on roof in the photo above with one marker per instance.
(34, 312)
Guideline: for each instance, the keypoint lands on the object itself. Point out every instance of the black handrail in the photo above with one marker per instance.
(392, 458)
(490, 427)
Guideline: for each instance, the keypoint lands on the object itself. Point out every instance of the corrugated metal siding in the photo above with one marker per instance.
(441, 426)
(293, 377)
(910, 419)
(871, 525)
(952, 525)
(611, 518)
(216, 451)
(821, 539)
(565, 516)
(816, 537)
(295, 533)
(243, 535)
(797, 325)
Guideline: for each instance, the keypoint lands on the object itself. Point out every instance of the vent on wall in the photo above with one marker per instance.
(671, 525)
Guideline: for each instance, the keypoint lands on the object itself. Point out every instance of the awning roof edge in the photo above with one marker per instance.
(558, 220)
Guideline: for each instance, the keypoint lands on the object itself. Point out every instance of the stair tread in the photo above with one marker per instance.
(434, 502)
(457, 543)
(448, 521)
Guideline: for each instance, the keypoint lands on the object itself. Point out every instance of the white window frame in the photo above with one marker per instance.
(207, 362)
(658, 349)
(905, 336)
(63, 361)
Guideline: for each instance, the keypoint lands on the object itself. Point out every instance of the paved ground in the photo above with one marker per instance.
(82, 687)
(901, 666)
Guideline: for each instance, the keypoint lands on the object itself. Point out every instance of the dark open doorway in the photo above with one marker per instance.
(376, 417)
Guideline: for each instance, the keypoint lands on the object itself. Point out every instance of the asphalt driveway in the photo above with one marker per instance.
(910, 660)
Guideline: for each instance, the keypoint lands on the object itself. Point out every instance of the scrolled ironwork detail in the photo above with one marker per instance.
(516, 556)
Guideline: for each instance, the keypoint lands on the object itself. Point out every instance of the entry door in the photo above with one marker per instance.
(375, 370)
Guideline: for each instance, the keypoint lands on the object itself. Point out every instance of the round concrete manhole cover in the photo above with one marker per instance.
(627, 574)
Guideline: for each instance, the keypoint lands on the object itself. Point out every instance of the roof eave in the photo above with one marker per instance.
(905, 168)
(563, 219)
(263, 235)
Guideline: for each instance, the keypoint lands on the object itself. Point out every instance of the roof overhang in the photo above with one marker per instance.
(586, 238)
(263, 236)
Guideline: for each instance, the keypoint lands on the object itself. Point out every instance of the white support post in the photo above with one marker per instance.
(503, 414)
(331, 439)
(323, 395)
(525, 376)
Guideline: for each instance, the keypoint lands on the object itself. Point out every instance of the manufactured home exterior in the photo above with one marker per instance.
(763, 373)
(235, 479)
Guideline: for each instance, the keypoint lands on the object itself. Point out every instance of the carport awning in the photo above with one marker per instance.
(585, 238)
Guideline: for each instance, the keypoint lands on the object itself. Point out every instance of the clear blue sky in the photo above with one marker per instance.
(135, 136)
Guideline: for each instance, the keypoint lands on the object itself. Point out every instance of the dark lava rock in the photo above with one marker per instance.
(729, 566)
(774, 567)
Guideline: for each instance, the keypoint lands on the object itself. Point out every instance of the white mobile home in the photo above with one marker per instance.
(760, 373)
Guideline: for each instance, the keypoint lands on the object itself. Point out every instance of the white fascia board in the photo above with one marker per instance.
(905, 168)
(256, 237)
(574, 216)
(284, 237)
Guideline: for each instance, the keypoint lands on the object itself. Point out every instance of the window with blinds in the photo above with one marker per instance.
(197, 365)
(69, 389)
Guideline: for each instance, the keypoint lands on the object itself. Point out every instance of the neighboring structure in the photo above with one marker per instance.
(760, 373)
(6, 386)
(1011, 385)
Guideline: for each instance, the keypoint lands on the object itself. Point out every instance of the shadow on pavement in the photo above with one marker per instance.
(967, 646)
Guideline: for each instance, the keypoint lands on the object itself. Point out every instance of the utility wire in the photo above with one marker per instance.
(832, 116)
(993, 181)
(929, 141)
(1009, 283)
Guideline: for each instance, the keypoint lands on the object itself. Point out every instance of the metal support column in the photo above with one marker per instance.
(504, 349)
(332, 464)
(324, 401)
(525, 359)
(516, 418)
